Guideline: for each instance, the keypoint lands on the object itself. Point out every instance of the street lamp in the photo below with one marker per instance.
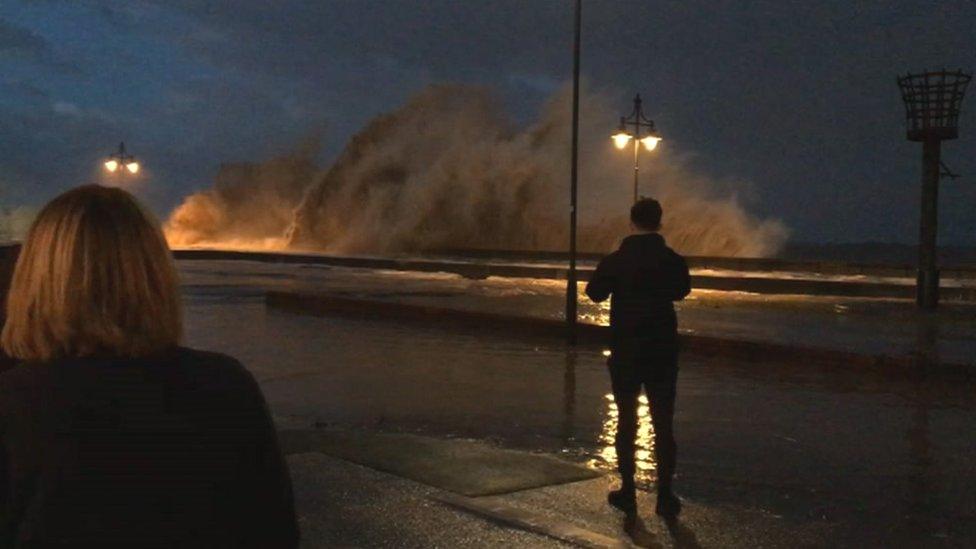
(639, 129)
(122, 162)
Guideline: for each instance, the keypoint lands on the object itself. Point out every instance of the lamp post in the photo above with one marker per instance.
(932, 103)
(571, 277)
(121, 162)
(639, 129)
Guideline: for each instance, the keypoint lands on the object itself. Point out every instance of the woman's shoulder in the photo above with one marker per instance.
(219, 379)
(21, 382)
(209, 359)
(17, 372)
(211, 364)
(7, 363)
(203, 366)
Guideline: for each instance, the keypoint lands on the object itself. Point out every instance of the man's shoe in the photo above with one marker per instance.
(668, 504)
(625, 500)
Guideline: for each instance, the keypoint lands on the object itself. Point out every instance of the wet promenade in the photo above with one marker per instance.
(843, 457)
(861, 325)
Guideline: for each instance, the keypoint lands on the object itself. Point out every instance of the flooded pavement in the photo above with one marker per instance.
(874, 461)
(860, 325)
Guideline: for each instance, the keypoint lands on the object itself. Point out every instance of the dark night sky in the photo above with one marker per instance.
(796, 98)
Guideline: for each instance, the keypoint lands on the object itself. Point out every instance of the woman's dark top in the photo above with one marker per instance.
(174, 450)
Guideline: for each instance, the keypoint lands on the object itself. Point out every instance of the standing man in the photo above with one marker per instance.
(645, 277)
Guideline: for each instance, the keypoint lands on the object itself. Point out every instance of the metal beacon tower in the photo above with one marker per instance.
(932, 102)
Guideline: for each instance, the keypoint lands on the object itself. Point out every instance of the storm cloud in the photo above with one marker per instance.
(793, 103)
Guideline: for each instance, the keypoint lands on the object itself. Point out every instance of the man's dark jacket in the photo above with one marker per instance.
(174, 450)
(645, 277)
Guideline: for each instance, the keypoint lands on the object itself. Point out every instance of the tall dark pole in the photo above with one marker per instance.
(636, 166)
(928, 271)
(573, 177)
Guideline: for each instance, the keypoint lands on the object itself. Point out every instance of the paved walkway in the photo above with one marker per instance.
(768, 453)
(343, 504)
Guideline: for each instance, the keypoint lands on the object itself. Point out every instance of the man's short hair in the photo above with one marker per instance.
(646, 214)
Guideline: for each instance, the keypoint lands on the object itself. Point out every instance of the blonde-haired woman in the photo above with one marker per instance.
(112, 434)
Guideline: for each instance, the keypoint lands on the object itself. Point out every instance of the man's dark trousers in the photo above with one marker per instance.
(653, 366)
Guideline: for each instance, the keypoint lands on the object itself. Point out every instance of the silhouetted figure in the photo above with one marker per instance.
(644, 277)
(111, 435)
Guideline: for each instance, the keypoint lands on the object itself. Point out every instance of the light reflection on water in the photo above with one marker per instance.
(644, 445)
(600, 317)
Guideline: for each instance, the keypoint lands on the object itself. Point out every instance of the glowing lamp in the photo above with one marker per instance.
(121, 162)
(649, 136)
(620, 139)
(650, 142)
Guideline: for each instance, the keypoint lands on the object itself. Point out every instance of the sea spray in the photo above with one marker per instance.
(251, 205)
(14, 222)
(449, 170)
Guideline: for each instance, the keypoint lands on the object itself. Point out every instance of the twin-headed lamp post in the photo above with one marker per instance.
(121, 162)
(639, 129)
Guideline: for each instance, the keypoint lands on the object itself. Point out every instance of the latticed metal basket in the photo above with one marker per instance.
(932, 102)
